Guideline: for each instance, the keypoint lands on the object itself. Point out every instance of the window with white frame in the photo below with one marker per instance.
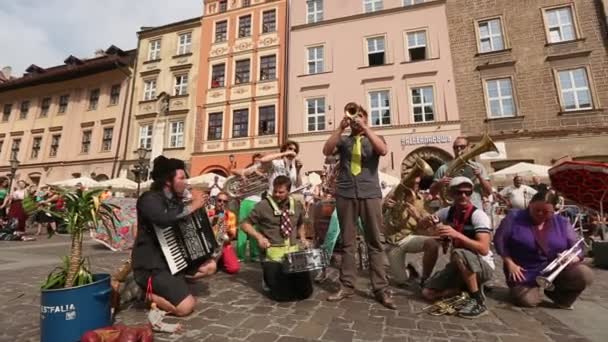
(36, 143)
(218, 75)
(149, 90)
(221, 31)
(416, 45)
(184, 45)
(176, 134)
(45, 105)
(375, 51)
(315, 114)
(268, 68)
(15, 148)
(55, 139)
(106, 139)
(412, 2)
(6, 112)
(223, 6)
(372, 5)
(314, 11)
(242, 71)
(423, 105)
(115, 94)
(500, 98)
(25, 108)
(490, 35)
(380, 108)
(266, 120)
(574, 86)
(240, 123)
(269, 21)
(94, 99)
(560, 24)
(181, 85)
(315, 60)
(154, 50)
(215, 126)
(245, 26)
(85, 145)
(145, 136)
(63, 104)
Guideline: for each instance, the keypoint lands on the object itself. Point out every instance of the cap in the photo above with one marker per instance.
(457, 181)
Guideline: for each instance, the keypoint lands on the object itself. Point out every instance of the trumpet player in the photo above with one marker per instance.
(471, 263)
(528, 241)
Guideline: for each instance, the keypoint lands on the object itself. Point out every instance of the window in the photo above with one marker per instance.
(63, 104)
(149, 90)
(93, 99)
(269, 21)
(176, 134)
(114, 94)
(54, 145)
(221, 31)
(246, 3)
(245, 26)
(218, 73)
(314, 11)
(372, 5)
(380, 106)
(185, 43)
(214, 130)
(412, 2)
(416, 45)
(315, 111)
(500, 98)
(154, 50)
(106, 140)
(268, 68)
(315, 60)
(36, 147)
(375, 51)
(6, 112)
(25, 108)
(86, 141)
(240, 123)
(145, 136)
(267, 120)
(575, 91)
(423, 104)
(15, 148)
(490, 36)
(44, 107)
(560, 25)
(181, 85)
(1, 145)
(223, 5)
(242, 71)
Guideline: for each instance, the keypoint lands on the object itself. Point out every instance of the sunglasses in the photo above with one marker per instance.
(291, 149)
(460, 147)
(467, 193)
(219, 200)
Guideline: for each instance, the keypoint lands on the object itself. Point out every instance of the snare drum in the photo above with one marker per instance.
(307, 260)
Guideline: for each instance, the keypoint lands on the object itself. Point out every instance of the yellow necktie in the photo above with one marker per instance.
(355, 161)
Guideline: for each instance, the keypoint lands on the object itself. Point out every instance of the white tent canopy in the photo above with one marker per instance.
(118, 184)
(70, 183)
(390, 181)
(206, 180)
(522, 169)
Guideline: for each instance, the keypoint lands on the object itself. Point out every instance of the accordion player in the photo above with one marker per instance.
(174, 242)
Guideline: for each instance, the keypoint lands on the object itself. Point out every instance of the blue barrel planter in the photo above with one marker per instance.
(66, 314)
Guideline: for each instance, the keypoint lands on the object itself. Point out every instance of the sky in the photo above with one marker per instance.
(46, 32)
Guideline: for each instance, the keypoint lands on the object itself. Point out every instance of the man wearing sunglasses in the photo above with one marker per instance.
(471, 263)
(473, 171)
(228, 261)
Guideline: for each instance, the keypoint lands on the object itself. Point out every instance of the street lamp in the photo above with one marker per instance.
(141, 168)
(14, 166)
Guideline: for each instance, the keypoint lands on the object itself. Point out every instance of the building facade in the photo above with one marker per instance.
(66, 121)
(533, 76)
(385, 55)
(163, 110)
(240, 95)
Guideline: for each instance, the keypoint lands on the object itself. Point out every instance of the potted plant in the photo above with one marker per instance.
(74, 300)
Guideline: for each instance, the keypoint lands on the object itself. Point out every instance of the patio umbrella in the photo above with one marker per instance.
(206, 180)
(118, 184)
(390, 181)
(523, 169)
(70, 183)
(585, 183)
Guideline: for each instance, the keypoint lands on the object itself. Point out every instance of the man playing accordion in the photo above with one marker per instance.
(279, 219)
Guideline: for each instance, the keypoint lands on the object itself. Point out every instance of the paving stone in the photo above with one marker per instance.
(312, 330)
(256, 323)
(292, 339)
(213, 314)
(261, 310)
(263, 337)
(338, 335)
(430, 325)
(451, 326)
(402, 323)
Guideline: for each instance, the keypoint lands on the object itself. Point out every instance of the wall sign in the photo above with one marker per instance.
(426, 140)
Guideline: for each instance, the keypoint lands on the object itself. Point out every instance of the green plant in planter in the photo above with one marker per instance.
(82, 211)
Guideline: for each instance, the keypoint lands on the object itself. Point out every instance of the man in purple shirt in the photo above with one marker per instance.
(528, 240)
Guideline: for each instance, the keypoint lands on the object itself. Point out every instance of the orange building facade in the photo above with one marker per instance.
(241, 86)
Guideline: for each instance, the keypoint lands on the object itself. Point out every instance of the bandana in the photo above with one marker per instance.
(460, 219)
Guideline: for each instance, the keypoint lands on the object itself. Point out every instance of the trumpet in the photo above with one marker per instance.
(353, 110)
(448, 306)
(549, 273)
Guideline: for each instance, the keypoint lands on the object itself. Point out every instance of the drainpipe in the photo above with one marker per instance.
(286, 73)
(124, 111)
(124, 156)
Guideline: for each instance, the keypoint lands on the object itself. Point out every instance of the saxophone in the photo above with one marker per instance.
(404, 194)
(458, 165)
(220, 236)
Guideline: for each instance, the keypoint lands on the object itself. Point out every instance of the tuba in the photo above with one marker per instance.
(239, 187)
(458, 165)
(403, 194)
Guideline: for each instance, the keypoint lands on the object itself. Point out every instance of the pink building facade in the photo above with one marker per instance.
(392, 57)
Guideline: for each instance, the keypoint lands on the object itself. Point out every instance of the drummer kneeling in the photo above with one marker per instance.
(279, 219)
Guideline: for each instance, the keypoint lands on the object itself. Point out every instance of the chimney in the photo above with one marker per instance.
(100, 53)
(7, 71)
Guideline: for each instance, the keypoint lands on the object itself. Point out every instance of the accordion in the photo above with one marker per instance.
(189, 242)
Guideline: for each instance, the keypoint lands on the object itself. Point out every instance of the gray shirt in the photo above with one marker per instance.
(476, 197)
(366, 183)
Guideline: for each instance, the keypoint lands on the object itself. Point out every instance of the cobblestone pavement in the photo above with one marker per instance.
(232, 308)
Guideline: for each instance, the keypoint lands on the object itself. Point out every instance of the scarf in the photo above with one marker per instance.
(460, 219)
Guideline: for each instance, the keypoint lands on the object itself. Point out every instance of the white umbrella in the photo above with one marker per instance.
(207, 180)
(389, 180)
(118, 184)
(522, 169)
(314, 178)
(70, 183)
